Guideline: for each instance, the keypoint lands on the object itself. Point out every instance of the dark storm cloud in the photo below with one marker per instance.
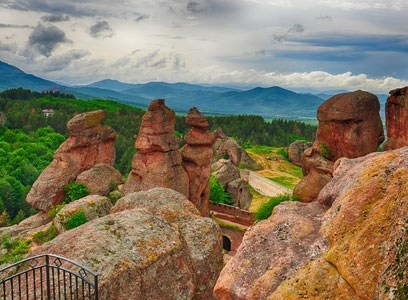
(14, 26)
(47, 38)
(296, 28)
(73, 8)
(358, 42)
(101, 29)
(55, 18)
(194, 7)
(141, 17)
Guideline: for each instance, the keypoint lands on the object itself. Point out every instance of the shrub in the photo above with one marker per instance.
(217, 193)
(266, 209)
(326, 152)
(55, 210)
(74, 191)
(46, 235)
(114, 196)
(225, 155)
(76, 220)
(15, 249)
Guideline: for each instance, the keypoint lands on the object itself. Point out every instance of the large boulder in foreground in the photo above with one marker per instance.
(197, 158)
(349, 126)
(88, 144)
(158, 163)
(396, 115)
(154, 245)
(360, 249)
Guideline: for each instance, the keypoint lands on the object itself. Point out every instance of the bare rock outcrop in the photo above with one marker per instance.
(229, 177)
(100, 179)
(89, 143)
(396, 115)
(295, 151)
(359, 252)
(197, 158)
(227, 147)
(153, 245)
(158, 163)
(349, 126)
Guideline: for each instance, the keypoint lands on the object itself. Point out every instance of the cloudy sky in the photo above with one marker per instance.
(320, 44)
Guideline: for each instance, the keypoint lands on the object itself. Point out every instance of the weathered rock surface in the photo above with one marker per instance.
(27, 227)
(229, 177)
(396, 114)
(272, 251)
(295, 151)
(349, 126)
(89, 143)
(157, 163)
(317, 171)
(100, 179)
(94, 206)
(360, 251)
(227, 146)
(159, 249)
(197, 158)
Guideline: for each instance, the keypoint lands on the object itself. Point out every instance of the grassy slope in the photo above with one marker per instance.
(281, 171)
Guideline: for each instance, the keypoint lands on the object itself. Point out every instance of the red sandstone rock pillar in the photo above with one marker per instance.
(197, 158)
(349, 126)
(396, 115)
(89, 143)
(158, 162)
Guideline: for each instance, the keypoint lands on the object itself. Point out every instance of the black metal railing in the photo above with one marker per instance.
(48, 277)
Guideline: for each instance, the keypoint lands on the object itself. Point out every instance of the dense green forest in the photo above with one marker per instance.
(29, 138)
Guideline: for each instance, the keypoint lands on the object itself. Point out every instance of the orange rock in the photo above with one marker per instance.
(396, 114)
(197, 157)
(158, 163)
(349, 126)
(89, 143)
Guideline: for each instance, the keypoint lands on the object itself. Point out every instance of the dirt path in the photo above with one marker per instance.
(265, 186)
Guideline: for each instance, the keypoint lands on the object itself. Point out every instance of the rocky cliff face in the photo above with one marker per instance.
(153, 245)
(357, 249)
(197, 158)
(89, 143)
(396, 114)
(158, 163)
(349, 126)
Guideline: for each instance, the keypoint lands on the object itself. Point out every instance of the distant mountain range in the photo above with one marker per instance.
(268, 102)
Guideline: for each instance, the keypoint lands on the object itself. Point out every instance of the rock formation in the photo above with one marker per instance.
(226, 147)
(197, 158)
(229, 177)
(157, 163)
(396, 114)
(93, 206)
(349, 126)
(153, 245)
(295, 151)
(89, 143)
(100, 179)
(355, 250)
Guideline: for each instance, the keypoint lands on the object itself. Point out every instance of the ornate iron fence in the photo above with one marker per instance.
(48, 277)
